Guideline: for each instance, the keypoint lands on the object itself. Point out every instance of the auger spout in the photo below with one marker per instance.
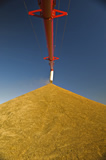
(51, 76)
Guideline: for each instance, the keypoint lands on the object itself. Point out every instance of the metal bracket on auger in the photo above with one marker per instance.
(32, 13)
(54, 58)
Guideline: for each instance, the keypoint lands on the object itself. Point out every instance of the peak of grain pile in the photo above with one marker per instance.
(51, 123)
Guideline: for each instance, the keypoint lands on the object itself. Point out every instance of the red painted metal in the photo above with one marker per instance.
(54, 58)
(60, 15)
(47, 12)
(35, 11)
(53, 13)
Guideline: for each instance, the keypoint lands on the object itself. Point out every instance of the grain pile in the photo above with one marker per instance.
(51, 123)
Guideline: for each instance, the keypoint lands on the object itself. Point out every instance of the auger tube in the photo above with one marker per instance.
(48, 13)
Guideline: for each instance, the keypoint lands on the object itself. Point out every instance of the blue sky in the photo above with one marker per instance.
(82, 64)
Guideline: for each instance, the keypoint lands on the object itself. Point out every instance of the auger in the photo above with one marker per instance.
(48, 13)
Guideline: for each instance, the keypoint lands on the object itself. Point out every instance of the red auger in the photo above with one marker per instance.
(47, 12)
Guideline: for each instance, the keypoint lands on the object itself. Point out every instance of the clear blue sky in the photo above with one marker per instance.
(82, 64)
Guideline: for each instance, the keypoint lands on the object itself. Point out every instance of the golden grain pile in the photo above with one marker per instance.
(51, 123)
